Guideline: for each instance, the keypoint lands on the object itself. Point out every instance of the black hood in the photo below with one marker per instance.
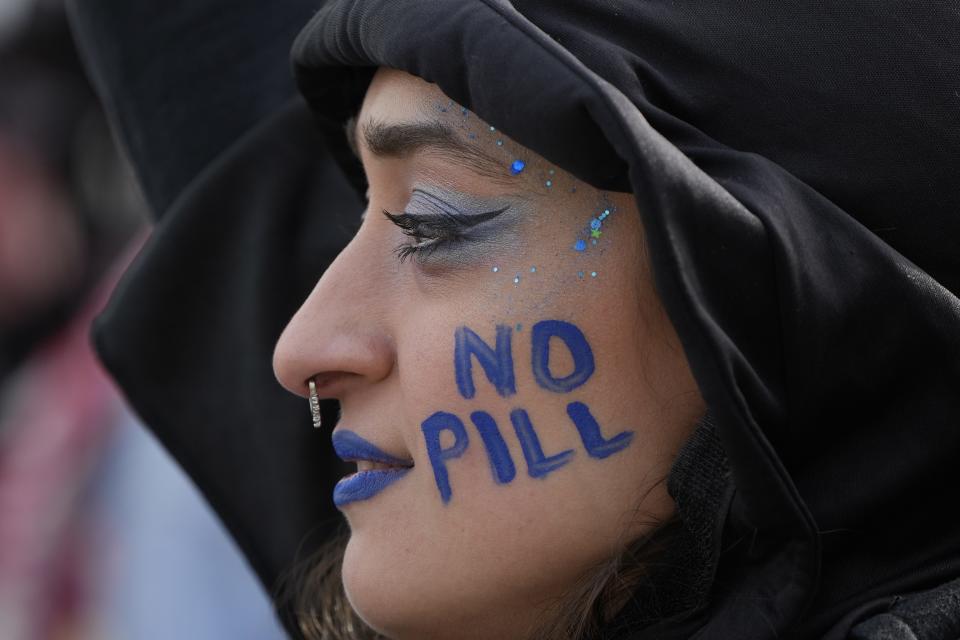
(796, 178)
(795, 170)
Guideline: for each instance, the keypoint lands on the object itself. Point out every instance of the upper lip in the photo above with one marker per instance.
(351, 447)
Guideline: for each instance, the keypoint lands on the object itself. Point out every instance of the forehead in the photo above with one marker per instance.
(399, 96)
(404, 116)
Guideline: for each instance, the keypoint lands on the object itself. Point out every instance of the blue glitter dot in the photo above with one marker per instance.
(493, 128)
(499, 143)
(594, 241)
(517, 279)
(519, 327)
(580, 245)
(595, 224)
(533, 269)
(517, 166)
(593, 274)
(579, 274)
(495, 269)
(549, 183)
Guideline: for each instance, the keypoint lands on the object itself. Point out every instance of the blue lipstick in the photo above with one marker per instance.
(365, 484)
(349, 446)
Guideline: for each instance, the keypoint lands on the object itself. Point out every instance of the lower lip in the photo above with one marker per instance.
(363, 485)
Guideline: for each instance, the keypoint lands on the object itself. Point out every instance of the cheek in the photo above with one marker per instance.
(505, 547)
(606, 310)
(491, 548)
(521, 512)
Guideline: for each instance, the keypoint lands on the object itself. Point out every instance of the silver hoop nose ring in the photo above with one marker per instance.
(314, 404)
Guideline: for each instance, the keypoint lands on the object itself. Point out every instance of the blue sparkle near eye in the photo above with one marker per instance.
(499, 143)
(593, 274)
(549, 183)
(595, 224)
(495, 269)
(580, 245)
(517, 167)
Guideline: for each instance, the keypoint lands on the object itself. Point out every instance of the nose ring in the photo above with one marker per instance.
(314, 404)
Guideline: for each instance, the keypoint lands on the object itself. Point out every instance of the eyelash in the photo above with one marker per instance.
(428, 233)
(434, 232)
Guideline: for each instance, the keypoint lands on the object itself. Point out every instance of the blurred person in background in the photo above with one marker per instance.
(86, 497)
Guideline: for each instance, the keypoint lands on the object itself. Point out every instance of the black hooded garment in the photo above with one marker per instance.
(796, 169)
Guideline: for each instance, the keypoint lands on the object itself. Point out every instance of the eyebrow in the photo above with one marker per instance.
(402, 139)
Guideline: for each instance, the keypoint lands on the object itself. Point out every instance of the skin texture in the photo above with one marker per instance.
(378, 334)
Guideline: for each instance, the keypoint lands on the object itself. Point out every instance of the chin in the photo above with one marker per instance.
(378, 592)
(406, 601)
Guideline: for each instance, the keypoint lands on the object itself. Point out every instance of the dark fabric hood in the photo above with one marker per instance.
(795, 168)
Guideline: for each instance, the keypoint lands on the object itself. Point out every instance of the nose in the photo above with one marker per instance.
(339, 335)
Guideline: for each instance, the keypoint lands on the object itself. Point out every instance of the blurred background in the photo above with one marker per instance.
(101, 534)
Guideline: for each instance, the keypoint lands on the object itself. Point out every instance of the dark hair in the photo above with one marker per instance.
(314, 592)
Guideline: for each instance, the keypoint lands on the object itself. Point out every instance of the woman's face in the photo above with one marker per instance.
(503, 369)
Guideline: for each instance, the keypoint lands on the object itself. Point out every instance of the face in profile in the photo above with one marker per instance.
(509, 385)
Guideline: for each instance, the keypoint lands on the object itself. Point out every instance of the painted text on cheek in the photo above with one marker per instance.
(497, 363)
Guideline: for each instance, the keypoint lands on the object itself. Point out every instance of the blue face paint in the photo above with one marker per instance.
(578, 346)
(538, 464)
(498, 365)
(432, 427)
(500, 461)
(593, 440)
